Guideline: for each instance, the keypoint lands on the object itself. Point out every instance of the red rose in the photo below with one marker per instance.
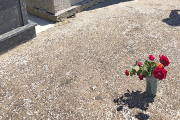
(140, 64)
(164, 60)
(159, 73)
(141, 77)
(127, 72)
(151, 57)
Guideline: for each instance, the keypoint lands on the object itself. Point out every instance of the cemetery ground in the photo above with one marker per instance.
(76, 69)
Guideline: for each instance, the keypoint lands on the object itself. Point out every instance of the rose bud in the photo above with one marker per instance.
(164, 60)
(141, 77)
(140, 64)
(127, 72)
(151, 57)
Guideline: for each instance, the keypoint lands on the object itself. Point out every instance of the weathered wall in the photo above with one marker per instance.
(75, 1)
(58, 8)
(47, 5)
(52, 6)
(61, 4)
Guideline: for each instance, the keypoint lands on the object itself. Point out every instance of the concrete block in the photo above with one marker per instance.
(58, 16)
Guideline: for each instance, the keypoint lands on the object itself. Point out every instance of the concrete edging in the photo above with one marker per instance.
(63, 14)
(17, 36)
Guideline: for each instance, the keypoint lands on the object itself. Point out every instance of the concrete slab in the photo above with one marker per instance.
(42, 25)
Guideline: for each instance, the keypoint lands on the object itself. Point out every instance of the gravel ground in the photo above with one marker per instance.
(76, 69)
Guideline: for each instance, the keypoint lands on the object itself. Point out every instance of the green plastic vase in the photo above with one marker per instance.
(151, 86)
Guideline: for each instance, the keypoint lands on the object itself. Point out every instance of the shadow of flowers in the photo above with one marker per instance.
(142, 116)
(135, 100)
(174, 18)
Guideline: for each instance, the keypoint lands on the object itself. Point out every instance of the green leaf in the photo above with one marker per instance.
(151, 68)
(145, 73)
(149, 74)
(131, 73)
(139, 72)
(145, 67)
(153, 65)
(147, 63)
(136, 63)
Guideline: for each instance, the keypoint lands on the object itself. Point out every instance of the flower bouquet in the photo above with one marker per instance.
(151, 71)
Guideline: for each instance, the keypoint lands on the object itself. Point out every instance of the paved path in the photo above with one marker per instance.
(76, 69)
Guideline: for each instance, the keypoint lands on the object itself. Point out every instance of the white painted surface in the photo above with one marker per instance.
(42, 25)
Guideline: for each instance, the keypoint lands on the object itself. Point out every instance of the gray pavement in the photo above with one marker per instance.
(75, 70)
(42, 25)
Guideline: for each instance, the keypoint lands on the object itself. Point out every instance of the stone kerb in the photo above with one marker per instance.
(14, 24)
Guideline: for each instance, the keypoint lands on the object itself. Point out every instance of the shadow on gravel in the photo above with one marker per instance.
(107, 3)
(135, 100)
(142, 116)
(174, 18)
